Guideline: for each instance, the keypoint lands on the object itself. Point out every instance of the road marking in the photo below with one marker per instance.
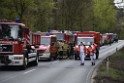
(29, 71)
(11, 77)
(7, 79)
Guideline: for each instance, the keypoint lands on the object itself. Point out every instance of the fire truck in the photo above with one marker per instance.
(66, 36)
(48, 49)
(87, 37)
(71, 38)
(63, 35)
(17, 45)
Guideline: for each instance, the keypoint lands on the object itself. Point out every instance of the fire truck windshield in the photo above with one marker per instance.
(59, 36)
(71, 38)
(8, 31)
(45, 40)
(85, 40)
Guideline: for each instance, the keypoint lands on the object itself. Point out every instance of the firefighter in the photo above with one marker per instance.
(95, 50)
(82, 52)
(60, 50)
(91, 52)
(65, 49)
(71, 50)
(94, 46)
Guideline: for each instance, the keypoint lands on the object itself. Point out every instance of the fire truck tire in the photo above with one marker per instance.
(36, 61)
(55, 57)
(24, 66)
(25, 61)
(51, 58)
(76, 57)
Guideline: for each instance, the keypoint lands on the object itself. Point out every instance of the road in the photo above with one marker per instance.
(66, 71)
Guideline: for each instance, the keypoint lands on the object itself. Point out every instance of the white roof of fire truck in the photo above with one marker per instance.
(5, 21)
(48, 36)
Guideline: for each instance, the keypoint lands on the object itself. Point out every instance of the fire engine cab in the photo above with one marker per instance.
(64, 36)
(87, 37)
(17, 45)
(48, 50)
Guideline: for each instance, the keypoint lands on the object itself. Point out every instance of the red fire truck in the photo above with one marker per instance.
(48, 48)
(71, 38)
(87, 37)
(64, 35)
(17, 45)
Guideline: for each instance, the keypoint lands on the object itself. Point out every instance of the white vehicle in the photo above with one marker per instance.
(48, 50)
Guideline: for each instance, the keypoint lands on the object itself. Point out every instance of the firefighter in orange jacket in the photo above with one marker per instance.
(95, 49)
(91, 52)
(94, 46)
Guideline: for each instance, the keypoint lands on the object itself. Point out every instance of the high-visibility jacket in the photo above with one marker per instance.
(95, 46)
(65, 47)
(60, 46)
(91, 51)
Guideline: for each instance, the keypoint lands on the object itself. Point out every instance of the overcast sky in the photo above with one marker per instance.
(119, 3)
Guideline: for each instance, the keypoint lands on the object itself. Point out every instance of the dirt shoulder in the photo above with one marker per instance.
(112, 69)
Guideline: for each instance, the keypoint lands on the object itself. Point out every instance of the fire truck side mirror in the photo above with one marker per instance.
(20, 40)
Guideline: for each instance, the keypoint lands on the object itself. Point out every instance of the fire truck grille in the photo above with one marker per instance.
(6, 48)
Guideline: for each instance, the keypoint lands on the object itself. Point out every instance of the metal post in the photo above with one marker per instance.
(116, 50)
(107, 64)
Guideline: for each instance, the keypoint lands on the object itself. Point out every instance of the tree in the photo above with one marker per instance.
(44, 15)
(104, 15)
(21, 6)
(74, 15)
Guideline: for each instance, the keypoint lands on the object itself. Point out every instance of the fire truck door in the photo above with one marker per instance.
(32, 55)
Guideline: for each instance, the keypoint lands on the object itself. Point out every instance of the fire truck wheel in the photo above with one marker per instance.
(76, 57)
(24, 66)
(51, 58)
(36, 61)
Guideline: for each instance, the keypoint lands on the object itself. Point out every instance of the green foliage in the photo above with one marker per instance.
(116, 70)
(41, 15)
(113, 73)
(74, 15)
(104, 15)
(43, 18)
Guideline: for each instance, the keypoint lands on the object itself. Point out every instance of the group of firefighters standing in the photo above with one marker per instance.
(67, 51)
(91, 51)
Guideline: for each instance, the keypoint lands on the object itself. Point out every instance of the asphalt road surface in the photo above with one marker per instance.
(65, 71)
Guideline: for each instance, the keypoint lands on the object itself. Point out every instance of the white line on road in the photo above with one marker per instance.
(29, 71)
(11, 77)
(7, 79)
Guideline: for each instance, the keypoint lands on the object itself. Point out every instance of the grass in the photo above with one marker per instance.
(116, 68)
(112, 73)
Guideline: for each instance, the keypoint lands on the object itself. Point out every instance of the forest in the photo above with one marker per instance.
(74, 15)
